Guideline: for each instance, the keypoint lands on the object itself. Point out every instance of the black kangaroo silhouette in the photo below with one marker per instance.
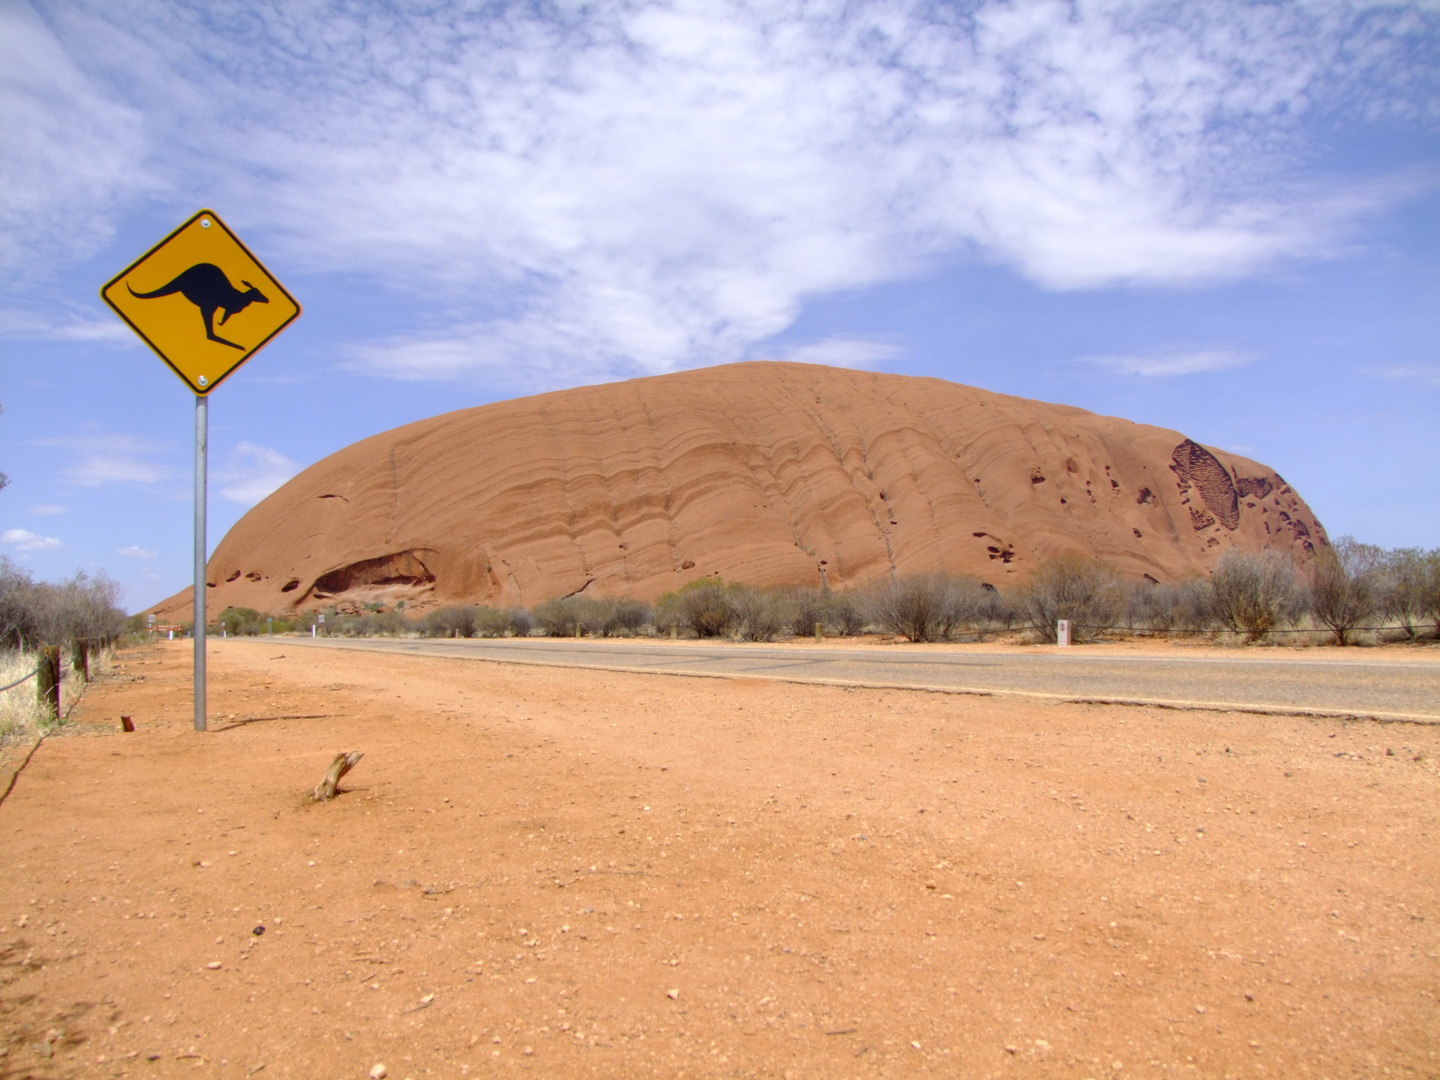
(206, 286)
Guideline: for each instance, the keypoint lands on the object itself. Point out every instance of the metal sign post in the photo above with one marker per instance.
(205, 305)
(202, 423)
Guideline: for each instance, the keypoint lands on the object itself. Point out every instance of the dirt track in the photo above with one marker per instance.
(560, 872)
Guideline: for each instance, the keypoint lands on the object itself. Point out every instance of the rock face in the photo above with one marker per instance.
(769, 473)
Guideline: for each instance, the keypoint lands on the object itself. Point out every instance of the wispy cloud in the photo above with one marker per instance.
(25, 540)
(853, 352)
(48, 509)
(116, 458)
(74, 153)
(135, 552)
(634, 187)
(1419, 372)
(251, 472)
(29, 325)
(1170, 364)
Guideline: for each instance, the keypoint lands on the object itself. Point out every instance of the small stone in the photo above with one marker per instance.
(1200, 1008)
(915, 1043)
(673, 995)
(213, 965)
(1011, 1049)
(529, 1050)
(378, 1071)
(258, 931)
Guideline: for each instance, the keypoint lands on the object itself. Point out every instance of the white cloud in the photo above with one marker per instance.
(72, 153)
(851, 352)
(1416, 372)
(251, 472)
(107, 459)
(634, 187)
(29, 325)
(48, 509)
(1170, 364)
(25, 540)
(135, 552)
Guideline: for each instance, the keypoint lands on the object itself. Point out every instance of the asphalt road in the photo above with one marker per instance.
(1322, 683)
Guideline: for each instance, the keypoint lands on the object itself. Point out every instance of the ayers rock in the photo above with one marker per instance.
(770, 473)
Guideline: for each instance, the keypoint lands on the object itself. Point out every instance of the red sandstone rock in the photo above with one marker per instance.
(770, 473)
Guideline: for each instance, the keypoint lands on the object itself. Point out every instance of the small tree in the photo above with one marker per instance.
(1402, 587)
(1085, 591)
(1430, 588)
(1255, 593)
(1345, 595)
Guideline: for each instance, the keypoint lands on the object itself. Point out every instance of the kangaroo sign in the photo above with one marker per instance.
(202, 301)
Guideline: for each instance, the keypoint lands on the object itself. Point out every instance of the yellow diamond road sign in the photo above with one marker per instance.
(201, 301)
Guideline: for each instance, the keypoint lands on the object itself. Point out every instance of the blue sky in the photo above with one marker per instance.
(1221, 217)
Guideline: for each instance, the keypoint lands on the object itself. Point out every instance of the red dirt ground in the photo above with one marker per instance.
(565, 873)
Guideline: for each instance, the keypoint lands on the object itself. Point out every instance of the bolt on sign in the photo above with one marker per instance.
(202, 301)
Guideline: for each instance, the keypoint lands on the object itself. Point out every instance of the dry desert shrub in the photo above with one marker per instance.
(701, 608)
(1346, 590)
(837, 613)
(43, 613)
(569, 615)
(1083, 590)
(1409, 588)
(1187, 606)
(455, 621)
(926, 607)
(1256, 592)
(759, 614)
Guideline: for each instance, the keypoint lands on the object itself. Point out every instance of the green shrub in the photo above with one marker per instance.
(701, 607)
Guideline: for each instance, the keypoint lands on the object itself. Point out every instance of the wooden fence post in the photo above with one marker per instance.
(81, 657)
(819, 633)
(47, 681)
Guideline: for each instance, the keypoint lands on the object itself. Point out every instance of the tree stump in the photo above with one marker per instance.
(343, 763)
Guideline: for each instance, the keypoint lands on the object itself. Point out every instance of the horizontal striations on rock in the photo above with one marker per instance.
(770, 473)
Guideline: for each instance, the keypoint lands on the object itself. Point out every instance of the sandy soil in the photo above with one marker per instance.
(568, 873)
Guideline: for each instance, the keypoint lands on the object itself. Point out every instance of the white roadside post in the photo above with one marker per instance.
(170, 297)
(1062, 632)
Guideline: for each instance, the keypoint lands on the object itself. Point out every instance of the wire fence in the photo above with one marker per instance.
(1230, 630)
(23, 678)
